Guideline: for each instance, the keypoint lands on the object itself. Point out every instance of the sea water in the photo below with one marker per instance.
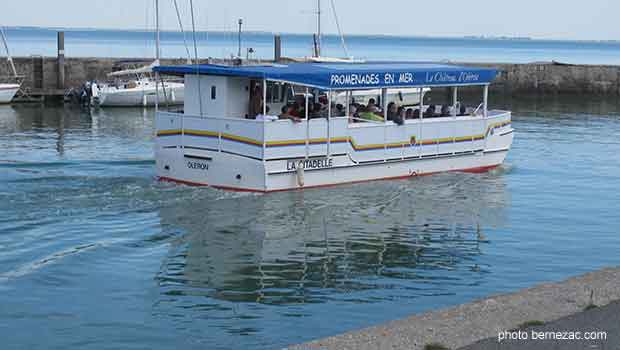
(119, 43)
(97, 254)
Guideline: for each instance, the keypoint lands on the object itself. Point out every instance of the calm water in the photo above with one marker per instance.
(94, 254)
(106, 43)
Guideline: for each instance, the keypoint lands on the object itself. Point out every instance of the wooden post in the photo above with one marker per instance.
(277, 48)
(60, 83)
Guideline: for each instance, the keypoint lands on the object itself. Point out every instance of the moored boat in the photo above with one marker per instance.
(141, 90)
(7, 92)
(220, 141)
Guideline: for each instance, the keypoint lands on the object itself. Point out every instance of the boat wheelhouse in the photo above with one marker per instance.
(217, 141)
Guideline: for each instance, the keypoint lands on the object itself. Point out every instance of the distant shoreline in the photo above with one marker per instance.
(368, 35)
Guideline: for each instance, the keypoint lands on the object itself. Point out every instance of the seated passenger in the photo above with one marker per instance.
(463, 110)
(266, 117)
(294, 110)
(365, 114)
(372, 106)
(430, 112)
(416, 114)
(392, 111)
(445, 111)
(340, 112)
(352, 113)
(316, 111)
(285, 115)
(409, 114)
(402, 115)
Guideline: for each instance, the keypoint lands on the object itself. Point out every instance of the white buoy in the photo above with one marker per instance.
(300, 176)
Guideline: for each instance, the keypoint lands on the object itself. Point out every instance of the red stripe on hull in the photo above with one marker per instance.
(477, 170)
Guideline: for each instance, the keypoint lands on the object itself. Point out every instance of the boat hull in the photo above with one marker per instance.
(222, 171)
(245, 163)
(142, 96)
(7, 92)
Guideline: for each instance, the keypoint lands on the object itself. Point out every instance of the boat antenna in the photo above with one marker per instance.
(189, 55)
(191, 5)
(8, 54)
(344, 44)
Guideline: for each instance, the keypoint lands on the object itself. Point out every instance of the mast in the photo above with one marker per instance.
(318, 29)
(157, 36)
(8, 54)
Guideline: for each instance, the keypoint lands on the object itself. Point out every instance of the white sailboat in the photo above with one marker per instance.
(406, 96)
(8, 90)
(142, 89)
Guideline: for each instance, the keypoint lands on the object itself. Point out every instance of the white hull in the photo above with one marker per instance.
(7, 92)
(208, 158)
(141, 96)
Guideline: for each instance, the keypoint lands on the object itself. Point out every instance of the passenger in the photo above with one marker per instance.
(256, 104)
(317, 111)
(416, 114)
(365, 114)
(430, 112)
(463, 110)
(266, 117)
(445, 111)
(396, 115)
(409, 113)
(340, 112)
(372, 106)
(352, 113)
(285, 115)
(294, 110)
(401, 111)
(392, 111)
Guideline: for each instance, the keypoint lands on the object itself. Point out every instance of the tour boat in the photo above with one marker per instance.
(213, 142)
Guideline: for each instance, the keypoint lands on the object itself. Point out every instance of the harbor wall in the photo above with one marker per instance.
(40, 75)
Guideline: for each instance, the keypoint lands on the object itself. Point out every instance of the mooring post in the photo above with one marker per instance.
(277, 48)
(61, 61)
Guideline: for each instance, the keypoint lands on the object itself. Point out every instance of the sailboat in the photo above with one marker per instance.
(142, 89)
(401, 96)
(8, 90)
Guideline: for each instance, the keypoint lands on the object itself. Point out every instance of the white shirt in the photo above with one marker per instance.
(266, 118)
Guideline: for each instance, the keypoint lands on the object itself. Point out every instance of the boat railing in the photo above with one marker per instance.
(283, 139)
(480, 106)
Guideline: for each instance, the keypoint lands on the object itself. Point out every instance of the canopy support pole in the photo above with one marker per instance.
(485, 113)
(486, 101)
(385, 120)
(455, 100)
(329, 117)
(264, 115)
(307, 112)
(264, 96)
(419, 141)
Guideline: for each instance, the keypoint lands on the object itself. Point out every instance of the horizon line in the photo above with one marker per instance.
(470, 37)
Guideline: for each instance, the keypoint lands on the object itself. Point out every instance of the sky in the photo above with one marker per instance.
(543, 19)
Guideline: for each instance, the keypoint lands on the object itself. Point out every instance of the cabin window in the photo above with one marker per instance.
(213, 92)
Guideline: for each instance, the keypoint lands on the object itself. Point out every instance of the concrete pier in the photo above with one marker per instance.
(43, 75)
(466, 324)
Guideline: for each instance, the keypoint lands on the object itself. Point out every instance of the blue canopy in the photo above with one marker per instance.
(341, 76)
